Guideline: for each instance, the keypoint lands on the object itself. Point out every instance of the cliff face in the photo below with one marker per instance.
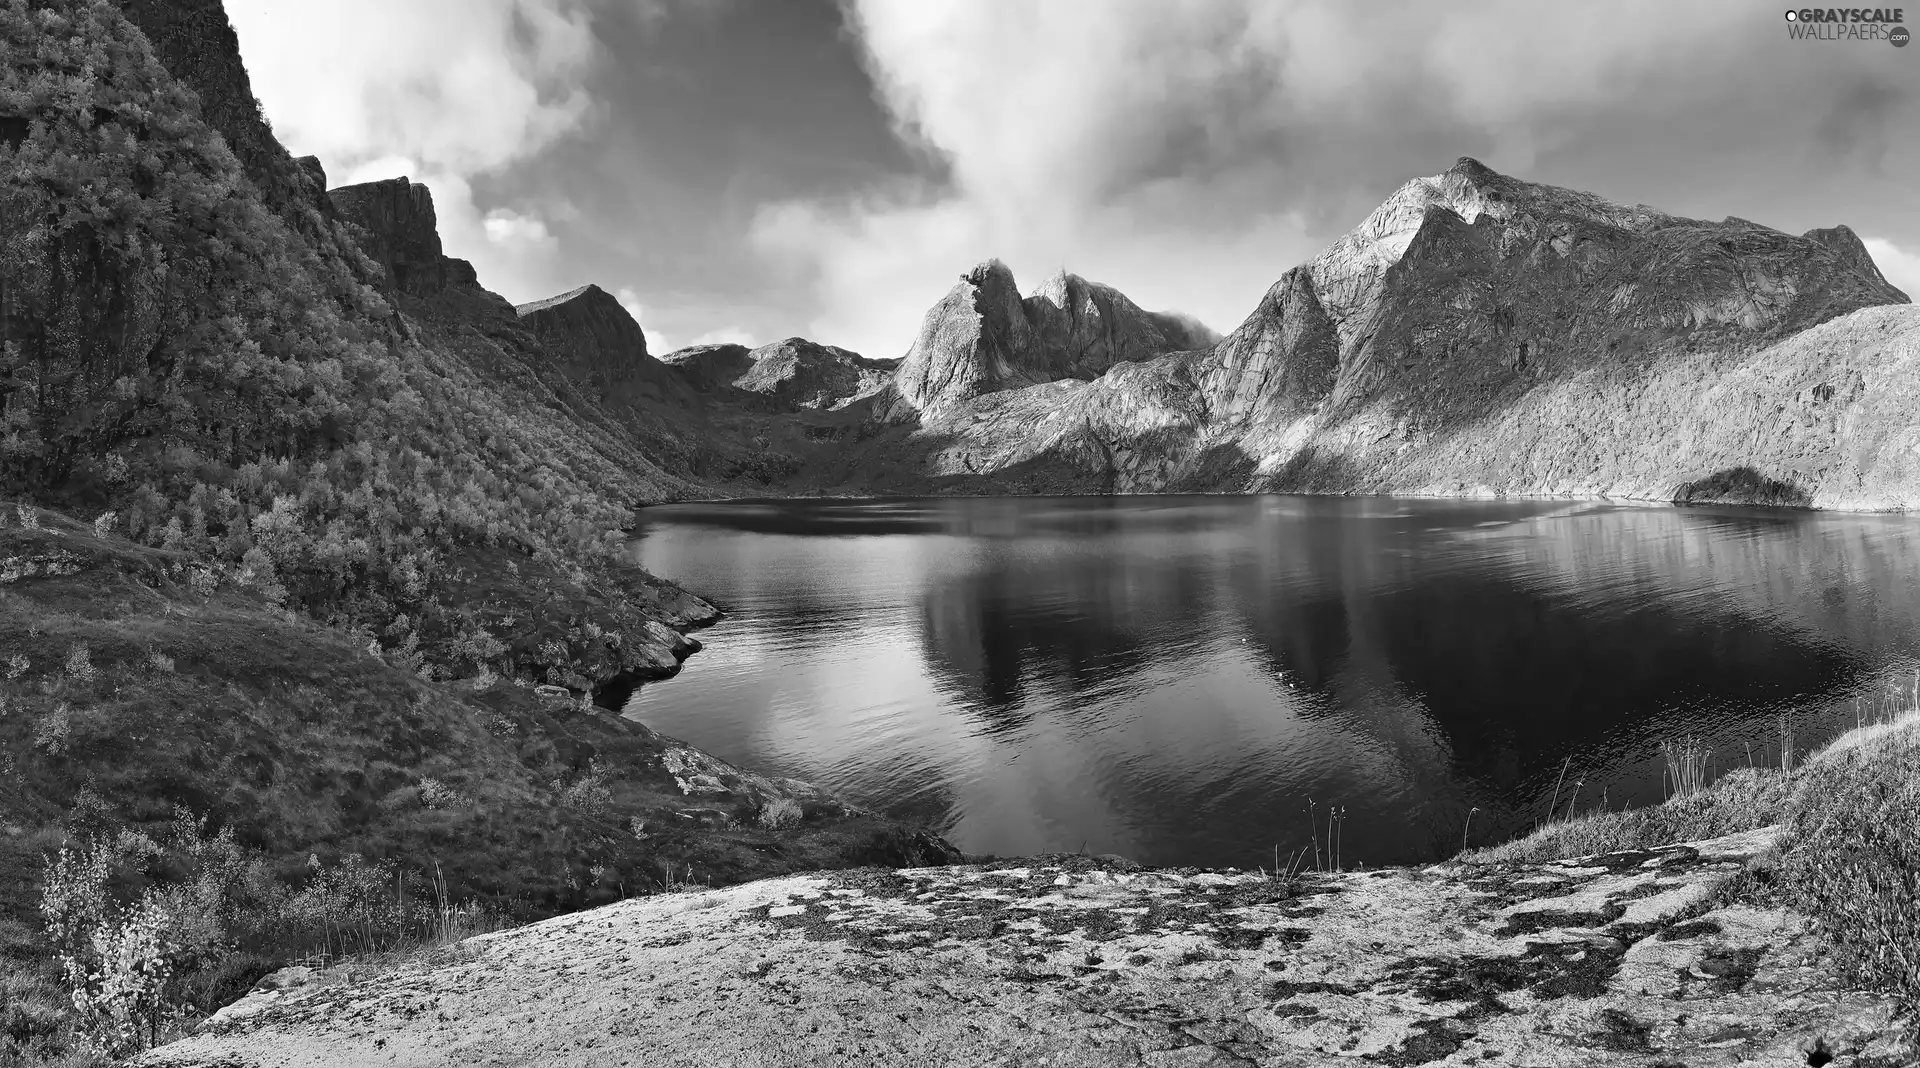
(399, 230)
(196, 44)
(1475, 334)
(598, 341)
(983, 336)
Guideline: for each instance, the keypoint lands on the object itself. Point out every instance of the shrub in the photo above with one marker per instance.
(53, 731)
(348, 908)
(119, 965)
(17, 665)
(587, 794)
(436, 794)
(103, 525)
(122, 988)
(80, 663)
(780, 812)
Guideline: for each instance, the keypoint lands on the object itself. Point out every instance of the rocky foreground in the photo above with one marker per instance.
(1645, 958)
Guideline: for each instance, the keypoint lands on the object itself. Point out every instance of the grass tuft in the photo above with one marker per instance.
(1850, 849)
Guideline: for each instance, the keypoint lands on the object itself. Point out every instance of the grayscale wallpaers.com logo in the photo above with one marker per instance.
(1849, 24)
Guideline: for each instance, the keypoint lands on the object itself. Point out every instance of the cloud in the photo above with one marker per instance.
(660, 342)
(1189, 151)
(446, 92)
(726, 335)
(516, 231)
(1900, 266)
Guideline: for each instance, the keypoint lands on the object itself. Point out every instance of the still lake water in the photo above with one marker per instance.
(1177, 678)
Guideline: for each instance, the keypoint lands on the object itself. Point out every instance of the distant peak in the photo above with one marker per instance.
(1059, 286)
(555, 301)
(1472, 170)
(986, 269)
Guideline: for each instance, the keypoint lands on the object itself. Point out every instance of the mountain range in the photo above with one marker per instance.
(1475, 335)
(309, 534)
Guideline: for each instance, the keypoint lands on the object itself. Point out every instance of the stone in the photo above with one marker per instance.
(1012, 963)
(286, 978)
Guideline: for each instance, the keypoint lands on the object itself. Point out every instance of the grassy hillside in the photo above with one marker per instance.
(199, 371)
(138, 687)
(283, 555)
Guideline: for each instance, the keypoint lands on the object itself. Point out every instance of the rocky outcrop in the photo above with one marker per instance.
(797, 373)
(1478, 334)
(710, 368)
(783, 376)
(1625, 959)
(1852, 252)
(597, 340)
(398, 229)
(983, 337)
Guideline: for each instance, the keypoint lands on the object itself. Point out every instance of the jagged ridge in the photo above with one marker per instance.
(983, 336)
(1472, 309)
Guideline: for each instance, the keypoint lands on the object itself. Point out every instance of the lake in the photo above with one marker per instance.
(1183, 679)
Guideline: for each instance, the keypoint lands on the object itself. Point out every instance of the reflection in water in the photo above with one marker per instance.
(1178, 678)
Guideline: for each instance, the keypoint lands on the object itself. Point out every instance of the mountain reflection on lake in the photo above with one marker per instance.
(1176, 679)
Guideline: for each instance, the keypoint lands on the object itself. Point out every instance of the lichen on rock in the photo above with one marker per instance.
(1628, 959)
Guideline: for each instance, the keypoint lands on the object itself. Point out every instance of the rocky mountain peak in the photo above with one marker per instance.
(984, 336)
(1852, 251)
(596, 339)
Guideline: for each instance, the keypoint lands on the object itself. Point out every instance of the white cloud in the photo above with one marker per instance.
(660, 342)
(1189, 151)
(442, 91)
(631, 301)
(1900, 266)
(726, 335)
(515, 231)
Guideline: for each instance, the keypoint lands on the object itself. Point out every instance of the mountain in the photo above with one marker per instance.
(600, 344)
(1476, 334)
(983, 337)
(783, 376)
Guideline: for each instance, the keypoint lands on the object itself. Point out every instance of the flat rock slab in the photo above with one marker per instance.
(1628, 959)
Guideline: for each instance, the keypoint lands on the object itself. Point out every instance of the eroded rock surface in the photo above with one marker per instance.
(797, 373)
(983, 336)
(1629, 959)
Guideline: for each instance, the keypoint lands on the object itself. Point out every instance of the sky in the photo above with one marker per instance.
(750, 170)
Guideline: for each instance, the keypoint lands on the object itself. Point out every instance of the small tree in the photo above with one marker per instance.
(123, 988)
(119, 965)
